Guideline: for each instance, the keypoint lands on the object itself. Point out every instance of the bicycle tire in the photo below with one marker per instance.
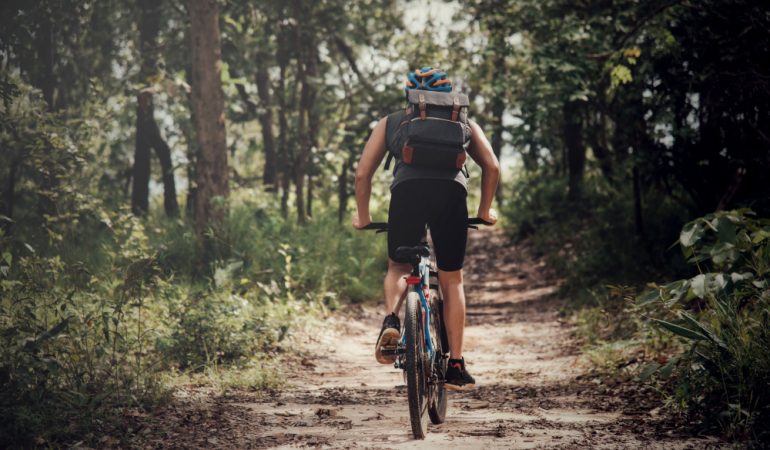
(415, 372)
(438, 395)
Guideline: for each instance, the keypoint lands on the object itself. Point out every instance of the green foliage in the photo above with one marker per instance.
(722, 314)
(594, 241)
(665, 98)
(75, 342)
(97, 306)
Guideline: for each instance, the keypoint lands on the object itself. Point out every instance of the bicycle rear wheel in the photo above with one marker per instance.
(438, 395)
(416, 378)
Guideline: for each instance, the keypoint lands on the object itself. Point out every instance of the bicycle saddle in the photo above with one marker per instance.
(412, 254)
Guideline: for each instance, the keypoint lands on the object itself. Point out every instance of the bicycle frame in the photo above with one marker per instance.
(424, 368)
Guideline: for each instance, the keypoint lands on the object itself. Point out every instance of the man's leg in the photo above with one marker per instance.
(451, 282)
(390, 334)
(395, 284)
(449, 230)
(454, 310)
(406, 224)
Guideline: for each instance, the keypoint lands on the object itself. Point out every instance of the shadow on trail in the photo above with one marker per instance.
(532, 391)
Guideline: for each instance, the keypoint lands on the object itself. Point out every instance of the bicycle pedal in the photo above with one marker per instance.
(392, 351)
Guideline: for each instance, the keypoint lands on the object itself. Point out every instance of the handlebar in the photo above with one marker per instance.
(379, 227)
(382, 227)
(473, 221)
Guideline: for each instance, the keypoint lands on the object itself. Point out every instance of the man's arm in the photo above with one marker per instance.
(374, 151)
(481, 152)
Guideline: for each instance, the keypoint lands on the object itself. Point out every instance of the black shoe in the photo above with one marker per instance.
(389, 337)
(457, 378)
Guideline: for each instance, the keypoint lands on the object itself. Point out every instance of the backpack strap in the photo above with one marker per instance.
(394, 122)
(423, 107)
(388, 160)
(455, 108)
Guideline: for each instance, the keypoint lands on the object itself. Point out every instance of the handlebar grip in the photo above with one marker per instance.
(473, 221)
(380, 227)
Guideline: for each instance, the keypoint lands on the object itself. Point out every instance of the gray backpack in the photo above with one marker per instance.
(436, 131)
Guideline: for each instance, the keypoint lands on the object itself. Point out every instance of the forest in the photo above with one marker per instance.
(177, 185)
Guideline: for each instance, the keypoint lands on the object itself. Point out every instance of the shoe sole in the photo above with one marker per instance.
(457, 387)
(388, 339)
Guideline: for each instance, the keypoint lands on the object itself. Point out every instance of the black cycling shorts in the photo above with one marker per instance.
(441, 204)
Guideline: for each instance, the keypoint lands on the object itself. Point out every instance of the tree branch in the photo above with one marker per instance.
(625, 37)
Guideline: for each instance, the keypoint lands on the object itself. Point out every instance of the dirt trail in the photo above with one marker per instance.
(531, 391)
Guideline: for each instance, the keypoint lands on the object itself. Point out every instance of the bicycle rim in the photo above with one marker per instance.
(415, 374)
(438, 395)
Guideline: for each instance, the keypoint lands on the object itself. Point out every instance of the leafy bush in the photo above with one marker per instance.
(593, 242)
(723, 316)
(98, 306)
(75, 345)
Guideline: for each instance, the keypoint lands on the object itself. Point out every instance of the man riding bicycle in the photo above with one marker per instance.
(426, 195)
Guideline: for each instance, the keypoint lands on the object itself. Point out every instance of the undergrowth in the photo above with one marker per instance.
(593, 241)
(104, 312)
(702, 341)
(80, 342)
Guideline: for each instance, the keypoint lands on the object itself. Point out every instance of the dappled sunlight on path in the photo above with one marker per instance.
(530, 391)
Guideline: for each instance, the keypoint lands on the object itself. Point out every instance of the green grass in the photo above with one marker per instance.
(92, 327)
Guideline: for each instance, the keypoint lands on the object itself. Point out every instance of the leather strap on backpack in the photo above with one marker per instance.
(423, 111)
(455, 109)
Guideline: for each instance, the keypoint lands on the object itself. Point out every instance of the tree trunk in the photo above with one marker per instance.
(266, 122)
(283, 125)
(498, 101)
(306, 71)
(45, 49)
(299, 162)
(342, 192)
(498, 108)
(149, 27)
(310, 194)
(313, 122)
(638, 218)
(140, 177)
(163, 152)
(575, 149)
(211, 171)
(8, 196)
(192, 150)
(147, 136)
(147, 132)
(597, 137)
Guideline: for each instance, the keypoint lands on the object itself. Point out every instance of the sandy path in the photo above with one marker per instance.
(531, 391)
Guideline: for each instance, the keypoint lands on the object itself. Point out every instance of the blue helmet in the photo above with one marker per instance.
(428, 79)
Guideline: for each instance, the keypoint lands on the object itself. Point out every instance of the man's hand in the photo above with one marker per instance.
(360, 222)
(489, 216)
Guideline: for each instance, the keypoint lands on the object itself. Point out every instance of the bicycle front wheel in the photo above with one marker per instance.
(416, 378)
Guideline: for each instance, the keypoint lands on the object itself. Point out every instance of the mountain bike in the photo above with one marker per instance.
(423, 352)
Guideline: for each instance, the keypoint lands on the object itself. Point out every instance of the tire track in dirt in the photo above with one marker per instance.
(531, 392)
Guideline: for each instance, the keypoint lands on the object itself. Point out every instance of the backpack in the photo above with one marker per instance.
(436, 130)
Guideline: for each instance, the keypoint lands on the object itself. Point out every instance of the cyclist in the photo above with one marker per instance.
(420, 196)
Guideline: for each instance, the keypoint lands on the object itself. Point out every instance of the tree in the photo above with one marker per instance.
(211, 170)
(147, 132)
